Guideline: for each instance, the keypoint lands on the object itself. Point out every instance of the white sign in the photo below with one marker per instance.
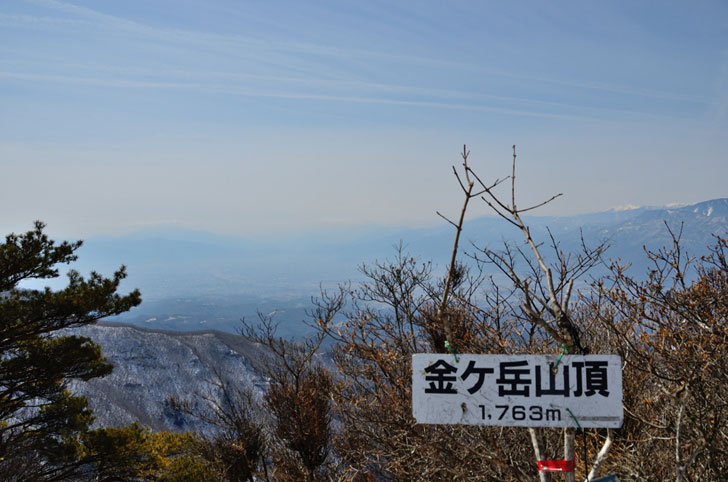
(518, 390)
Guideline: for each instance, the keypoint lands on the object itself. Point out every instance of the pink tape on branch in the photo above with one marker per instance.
(556, 465)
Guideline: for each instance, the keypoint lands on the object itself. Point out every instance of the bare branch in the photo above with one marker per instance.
(541, 204)
(569, 287)
(538, 320)
(497, 211)
(682, 467)
(601, 456)
(458, 230)
(457, 176)
(446, 219)
(483, 185)
(513, 182)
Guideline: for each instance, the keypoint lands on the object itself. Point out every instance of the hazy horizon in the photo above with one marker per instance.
(351, 230)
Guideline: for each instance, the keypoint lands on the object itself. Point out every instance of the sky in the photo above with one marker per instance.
(259, 117)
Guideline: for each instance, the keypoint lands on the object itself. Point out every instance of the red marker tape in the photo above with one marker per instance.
(556, 465)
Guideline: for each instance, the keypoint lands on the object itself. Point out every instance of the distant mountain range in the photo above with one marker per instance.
(193, 280)
(152, 365)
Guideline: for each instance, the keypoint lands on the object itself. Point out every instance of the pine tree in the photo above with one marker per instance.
(41, 422)
(134, 452)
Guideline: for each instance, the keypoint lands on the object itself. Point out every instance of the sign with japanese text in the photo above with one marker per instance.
(518, 390)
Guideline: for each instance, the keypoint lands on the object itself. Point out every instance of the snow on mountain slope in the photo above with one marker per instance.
(152, 366)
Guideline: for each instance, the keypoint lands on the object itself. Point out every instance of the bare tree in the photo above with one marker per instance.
(237, 448)
(402, 309)
(392, 315)
(672, 332)
(545, 290)
(298, 395)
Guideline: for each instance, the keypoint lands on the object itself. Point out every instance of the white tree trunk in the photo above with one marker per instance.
(538, 452)
(569, 451)
(601, 456)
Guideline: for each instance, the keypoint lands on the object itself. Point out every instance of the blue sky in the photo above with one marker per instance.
(257, 117)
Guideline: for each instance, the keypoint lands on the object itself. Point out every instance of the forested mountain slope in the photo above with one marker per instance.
(151, 366)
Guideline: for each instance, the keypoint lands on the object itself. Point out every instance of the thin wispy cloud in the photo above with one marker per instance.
(30, 21)
(351, 108)
(657, 94)
(469, 101)
(235, 78)
(233, 90)
(226, 42)
(266, 54)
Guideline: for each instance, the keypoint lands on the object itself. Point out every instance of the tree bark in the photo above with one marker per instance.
(538, 451)
(569, 451)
